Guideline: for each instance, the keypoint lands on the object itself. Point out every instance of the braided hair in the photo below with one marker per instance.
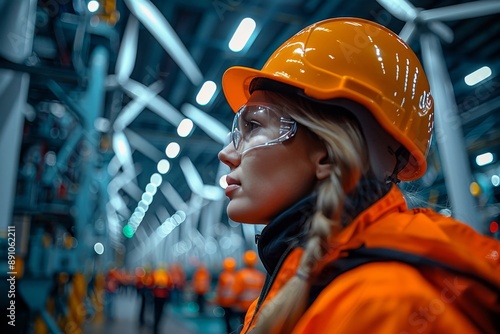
(348, 190)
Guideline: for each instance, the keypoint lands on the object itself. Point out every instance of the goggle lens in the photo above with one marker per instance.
(260, 125)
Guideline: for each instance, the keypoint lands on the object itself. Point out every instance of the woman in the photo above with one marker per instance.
(338, 115)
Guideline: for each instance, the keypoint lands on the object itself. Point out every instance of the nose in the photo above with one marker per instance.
(229, 156)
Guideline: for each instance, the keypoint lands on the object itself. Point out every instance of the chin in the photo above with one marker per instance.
(245, 215)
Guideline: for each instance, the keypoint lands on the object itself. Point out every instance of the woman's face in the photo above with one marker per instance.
(265, 180)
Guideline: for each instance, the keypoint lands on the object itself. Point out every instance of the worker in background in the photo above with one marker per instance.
(178, 276)
(224, 293)
(162, 284)
(247, 285)
(143, 283)
(201, 286)
(111, 286)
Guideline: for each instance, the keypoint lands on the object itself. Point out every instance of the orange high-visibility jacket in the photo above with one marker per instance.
(201, 281)
(225, 295)
(399, 271)
(144, 279)
(177, 274)
(162, 283)
(247, 286)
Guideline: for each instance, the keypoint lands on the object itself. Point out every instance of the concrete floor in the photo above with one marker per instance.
(181, 319)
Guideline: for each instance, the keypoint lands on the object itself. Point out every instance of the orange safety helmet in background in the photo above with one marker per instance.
(250, 258)
(229, 264)
(352, 59)
(201, 279)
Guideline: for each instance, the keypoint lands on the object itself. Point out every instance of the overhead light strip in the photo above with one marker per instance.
(242, 34)
(477, 76)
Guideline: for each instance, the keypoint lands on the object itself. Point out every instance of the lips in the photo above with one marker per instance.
(232, 186)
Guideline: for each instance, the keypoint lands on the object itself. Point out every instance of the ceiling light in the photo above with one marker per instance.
(151, 189)
(223, 182)
(172, 150)
(475, 189)
(484, 159)
(163, 166)
(98, 248)
(93, 6)
(122, 148)
(156, 179)
(143, 205)
(185, 127)
(206, 93)
(147, 198)
(128, 231)
(477, 76)
(242, 34)
(495, 180)
(102, 124)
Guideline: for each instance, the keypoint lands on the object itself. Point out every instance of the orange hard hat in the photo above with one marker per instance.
(229, 263)
(250, 258)
(356, 60)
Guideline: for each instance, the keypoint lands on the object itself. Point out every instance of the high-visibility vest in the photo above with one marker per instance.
(225, 294)
(161, 283)
(201, 281)
(248, 284)
(178, 277)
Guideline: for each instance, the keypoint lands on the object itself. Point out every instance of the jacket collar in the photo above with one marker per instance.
(393, 201)
(285, 232)
(289, 230)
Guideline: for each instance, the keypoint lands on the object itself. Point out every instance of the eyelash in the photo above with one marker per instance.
(251, 125)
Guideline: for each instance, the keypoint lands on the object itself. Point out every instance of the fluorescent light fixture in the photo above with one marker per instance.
(128, 231)
(138, 215)
(151, 189)
(242, 34)
(477, 76)
(156, 179)
(495, 180)
(172, 150)
(475, 189)
(93, 6)
(122, 149)
(484, 159)
(223, 182)
(163, 166)
(185, 127)
(206, 93)
(98, 248)
(147, 198)
(102, 124)
(143, 205)
(170, 224)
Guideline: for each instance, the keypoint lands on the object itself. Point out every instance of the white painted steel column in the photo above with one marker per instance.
(448, 134)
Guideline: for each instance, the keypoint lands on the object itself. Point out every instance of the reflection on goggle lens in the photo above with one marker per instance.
(260, 125)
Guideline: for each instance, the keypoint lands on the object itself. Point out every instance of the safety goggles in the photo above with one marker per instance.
(259, 126)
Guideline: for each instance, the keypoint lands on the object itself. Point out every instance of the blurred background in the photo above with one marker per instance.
(111, 118)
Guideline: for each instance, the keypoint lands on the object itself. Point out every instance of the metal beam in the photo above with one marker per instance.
(449, 135)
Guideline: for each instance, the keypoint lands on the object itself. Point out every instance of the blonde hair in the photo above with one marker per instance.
(339, 131)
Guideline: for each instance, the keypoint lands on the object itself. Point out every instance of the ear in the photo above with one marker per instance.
(323, 166)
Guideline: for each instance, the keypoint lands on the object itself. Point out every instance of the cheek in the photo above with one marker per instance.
(266, 192)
